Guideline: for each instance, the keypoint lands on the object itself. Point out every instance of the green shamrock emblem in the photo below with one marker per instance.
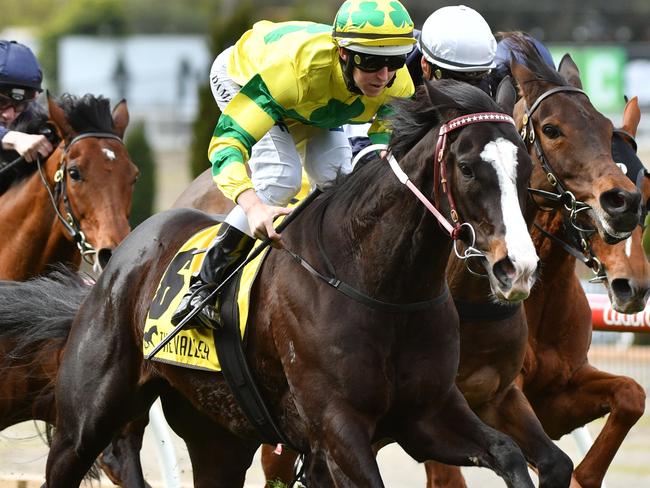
(343, 16)
(368, 15)
(336, 113)
(399, 15)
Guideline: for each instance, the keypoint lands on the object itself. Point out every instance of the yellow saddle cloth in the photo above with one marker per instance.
(193, 348)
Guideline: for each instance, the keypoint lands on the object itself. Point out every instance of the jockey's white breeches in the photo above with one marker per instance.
(277, 159)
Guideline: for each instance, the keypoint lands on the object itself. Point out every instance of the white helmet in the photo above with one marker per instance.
(458, 38)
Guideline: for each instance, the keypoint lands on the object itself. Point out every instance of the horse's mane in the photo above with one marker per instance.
(89, 113)
(412, 119)
(526, 53)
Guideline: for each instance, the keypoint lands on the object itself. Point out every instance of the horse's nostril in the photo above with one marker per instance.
(621, 288)
(504, 271)
(103, 256)
(620, 201)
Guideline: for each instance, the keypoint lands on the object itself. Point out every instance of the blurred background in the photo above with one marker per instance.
(156, 54)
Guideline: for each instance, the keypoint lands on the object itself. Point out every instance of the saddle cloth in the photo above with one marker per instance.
(192, 348)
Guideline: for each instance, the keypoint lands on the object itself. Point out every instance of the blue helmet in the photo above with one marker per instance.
(19, 67)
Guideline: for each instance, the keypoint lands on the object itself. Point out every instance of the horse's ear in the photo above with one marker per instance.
(120, 118)
(522, 76)
(438, 98)
(631, 116)
(58, 118)
(570, 71)
(506, 95)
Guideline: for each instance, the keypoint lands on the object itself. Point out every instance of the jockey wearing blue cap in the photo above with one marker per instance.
(20, 82)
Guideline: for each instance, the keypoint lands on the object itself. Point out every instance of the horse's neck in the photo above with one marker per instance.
(551, 306)
(31, 233)
(395, 248)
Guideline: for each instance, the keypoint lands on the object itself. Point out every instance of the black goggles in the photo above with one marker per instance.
(18, 105)
(374, 62)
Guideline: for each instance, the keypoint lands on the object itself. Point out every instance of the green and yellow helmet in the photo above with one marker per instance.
(382, 27)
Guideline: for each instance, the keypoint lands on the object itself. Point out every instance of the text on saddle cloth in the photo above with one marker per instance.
(192, 348)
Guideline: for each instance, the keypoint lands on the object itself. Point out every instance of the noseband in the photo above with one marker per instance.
(70, 222)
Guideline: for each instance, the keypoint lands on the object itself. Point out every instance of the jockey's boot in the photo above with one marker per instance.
(228, 249)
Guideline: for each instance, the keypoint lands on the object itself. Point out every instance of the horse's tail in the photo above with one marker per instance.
(40, 311)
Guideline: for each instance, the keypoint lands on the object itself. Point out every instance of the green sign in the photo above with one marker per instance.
(601, 71)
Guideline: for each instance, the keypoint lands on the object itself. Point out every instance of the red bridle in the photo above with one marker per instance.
(440, 169)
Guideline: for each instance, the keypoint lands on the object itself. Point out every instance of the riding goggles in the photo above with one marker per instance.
(373, 62)
(18, 105)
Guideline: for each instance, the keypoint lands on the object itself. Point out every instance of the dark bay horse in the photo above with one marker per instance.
(79, 198)
(337, 375)
(494, 338)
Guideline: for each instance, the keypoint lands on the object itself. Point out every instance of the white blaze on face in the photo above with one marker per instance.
(628, 246)
(502, 155)
(109, 154)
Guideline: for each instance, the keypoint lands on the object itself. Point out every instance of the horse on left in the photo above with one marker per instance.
(75, 204)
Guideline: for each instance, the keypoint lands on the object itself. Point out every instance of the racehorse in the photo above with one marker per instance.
(75, 202)
(337, 375)
(625, 269)
(564, 391)
(556, 350)
(494, 338)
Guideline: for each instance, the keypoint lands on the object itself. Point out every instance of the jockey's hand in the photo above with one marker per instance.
(29, 146)
(260, 216)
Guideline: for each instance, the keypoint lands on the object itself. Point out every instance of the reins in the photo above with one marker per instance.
(70, 222)
(453, 230)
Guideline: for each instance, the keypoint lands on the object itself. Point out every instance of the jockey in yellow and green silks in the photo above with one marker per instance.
(294, 84)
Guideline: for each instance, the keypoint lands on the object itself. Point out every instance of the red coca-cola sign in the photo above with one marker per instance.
(604, 317)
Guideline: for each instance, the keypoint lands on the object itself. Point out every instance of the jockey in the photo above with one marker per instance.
(20, 81)
(285, 89)
(455, 42)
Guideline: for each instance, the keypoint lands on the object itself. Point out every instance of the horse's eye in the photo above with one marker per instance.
(551, 131)
(466, 170)
(74, 173)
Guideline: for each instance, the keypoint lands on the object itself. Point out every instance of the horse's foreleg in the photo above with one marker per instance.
(455, 435)
(512, 414)
(278, 467)
(443, 476)
(120, 461)
(341, 451)
(219, 458)
(591, 395)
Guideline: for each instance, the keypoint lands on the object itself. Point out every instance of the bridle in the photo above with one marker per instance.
(59, 192)
(580, 248)
(454, 228)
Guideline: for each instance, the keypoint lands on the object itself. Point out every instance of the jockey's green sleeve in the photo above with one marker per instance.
(289, 71)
